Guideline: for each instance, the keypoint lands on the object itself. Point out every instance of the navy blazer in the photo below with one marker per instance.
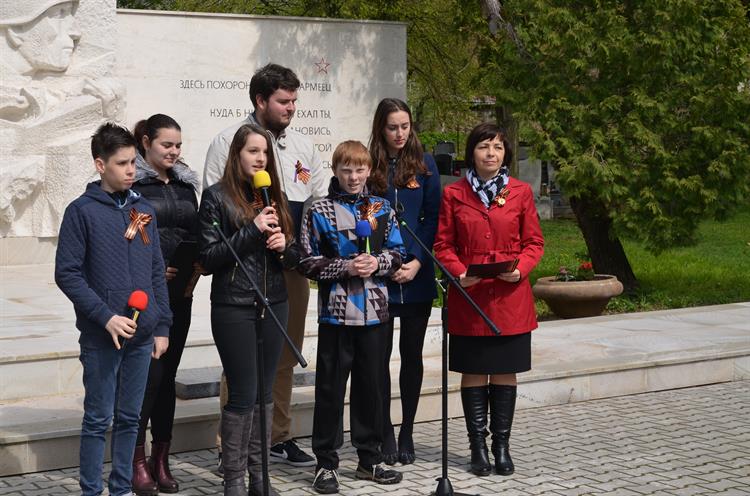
(421, 207)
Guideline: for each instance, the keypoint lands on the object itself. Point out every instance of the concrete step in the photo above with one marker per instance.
(39, 352)
(575, 360)
(32, 374)
(192, 384)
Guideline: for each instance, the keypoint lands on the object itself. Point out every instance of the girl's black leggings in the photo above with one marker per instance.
(236, 329)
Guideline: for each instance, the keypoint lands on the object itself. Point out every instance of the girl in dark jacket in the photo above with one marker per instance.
(170, 186)
(262, 237)
(409, 180)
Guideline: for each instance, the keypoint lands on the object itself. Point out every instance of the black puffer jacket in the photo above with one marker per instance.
(176, 209)
(229, 284)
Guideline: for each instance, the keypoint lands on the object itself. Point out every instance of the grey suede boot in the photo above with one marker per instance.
(254, 453)
(235, 435)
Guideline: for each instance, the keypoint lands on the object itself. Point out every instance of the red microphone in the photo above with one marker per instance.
(137, 302)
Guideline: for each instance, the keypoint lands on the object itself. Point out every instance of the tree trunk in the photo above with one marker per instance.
(505, 119)
(607, 253)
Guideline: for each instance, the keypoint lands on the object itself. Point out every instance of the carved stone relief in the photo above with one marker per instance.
(56, 61)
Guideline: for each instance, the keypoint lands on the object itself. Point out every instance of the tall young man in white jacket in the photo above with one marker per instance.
(273, 92)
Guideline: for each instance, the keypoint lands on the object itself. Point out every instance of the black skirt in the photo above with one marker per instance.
(490, 354)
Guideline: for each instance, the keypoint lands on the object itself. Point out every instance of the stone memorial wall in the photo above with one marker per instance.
(68, 65)
(197, 69)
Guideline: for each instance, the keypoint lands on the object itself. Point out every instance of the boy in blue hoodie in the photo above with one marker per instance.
(352, 315)
(108, 247)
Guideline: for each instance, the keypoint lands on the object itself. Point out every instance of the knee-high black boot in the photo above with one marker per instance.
(502, 407)
(235, 435)
(474, 400)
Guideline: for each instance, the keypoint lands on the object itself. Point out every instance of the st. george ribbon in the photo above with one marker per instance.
(137, 302)
(363, 230)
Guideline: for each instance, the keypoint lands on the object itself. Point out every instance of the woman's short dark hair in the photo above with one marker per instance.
(270, 78)
(150, 127)
(485, 131)
(109, 138)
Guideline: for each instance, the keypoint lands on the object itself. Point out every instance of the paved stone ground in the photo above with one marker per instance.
(693, 441)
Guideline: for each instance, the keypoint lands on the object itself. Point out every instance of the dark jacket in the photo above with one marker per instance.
(328, 243)
(176, 209)
(421, 206)
(97, 267)
(229, 284)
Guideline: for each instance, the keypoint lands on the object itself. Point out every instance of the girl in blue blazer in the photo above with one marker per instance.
(408, 178)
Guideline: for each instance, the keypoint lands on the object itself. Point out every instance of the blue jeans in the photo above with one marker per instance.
(114, 381)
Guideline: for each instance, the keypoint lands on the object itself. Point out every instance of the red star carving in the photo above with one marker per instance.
(322, 66)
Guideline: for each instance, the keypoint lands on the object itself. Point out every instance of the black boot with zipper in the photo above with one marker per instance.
(474, 400)
(502, 407)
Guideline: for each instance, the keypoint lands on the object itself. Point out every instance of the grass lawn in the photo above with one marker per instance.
(715, 270)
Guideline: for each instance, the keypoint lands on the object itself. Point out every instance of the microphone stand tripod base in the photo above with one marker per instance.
(444, 488)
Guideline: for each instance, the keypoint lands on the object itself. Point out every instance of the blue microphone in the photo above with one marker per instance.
(363, 230)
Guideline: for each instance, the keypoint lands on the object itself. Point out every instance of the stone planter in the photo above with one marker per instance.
(574, 299)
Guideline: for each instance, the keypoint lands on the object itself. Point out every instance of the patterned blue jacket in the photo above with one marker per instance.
(328, 243)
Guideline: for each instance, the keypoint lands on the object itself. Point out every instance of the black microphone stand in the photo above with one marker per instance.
(444, 487)
(264, 306)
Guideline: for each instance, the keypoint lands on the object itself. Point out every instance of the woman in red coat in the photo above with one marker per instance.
(489, 217)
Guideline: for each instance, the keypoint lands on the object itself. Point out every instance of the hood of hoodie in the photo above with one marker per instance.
(180, 172)
(125, 199)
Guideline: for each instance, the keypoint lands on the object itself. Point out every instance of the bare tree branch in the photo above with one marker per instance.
(491, 9)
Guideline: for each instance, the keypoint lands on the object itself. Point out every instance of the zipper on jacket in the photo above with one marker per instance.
(171, 202)
(234, 269)
(364, 282)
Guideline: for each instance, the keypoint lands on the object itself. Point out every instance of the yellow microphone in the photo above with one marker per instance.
(261, 182)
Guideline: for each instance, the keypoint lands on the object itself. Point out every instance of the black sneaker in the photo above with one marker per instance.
(326, 481)
(378, 473)
(288, 452)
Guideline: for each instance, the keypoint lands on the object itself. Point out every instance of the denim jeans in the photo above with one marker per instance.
(114, 382)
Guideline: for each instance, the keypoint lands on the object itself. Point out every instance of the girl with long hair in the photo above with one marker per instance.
(262, 237)
(408, 178)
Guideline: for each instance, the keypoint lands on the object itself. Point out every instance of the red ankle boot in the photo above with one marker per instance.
(142, 482)
(159, 463)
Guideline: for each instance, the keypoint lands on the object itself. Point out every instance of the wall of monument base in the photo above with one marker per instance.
(27, 251)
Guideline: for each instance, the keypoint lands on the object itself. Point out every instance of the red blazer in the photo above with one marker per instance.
(468, 233)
